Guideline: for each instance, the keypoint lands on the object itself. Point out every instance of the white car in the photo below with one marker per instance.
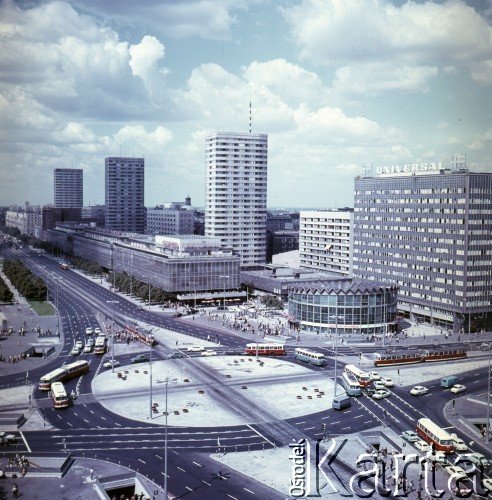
(97, 330)
(110, 364)
(381, 394)
(455, 471)
(438, 456)
(379, 385)
(419, 390)
(89, 330)
(387, 381)
(421, 445)
(374, 375)
(88, 348)
(195, 348)
(208, 352)
(78, 344)
(456, 389)
(75, 351)
(459, 444)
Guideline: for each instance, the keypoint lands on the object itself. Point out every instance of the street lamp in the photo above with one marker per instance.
(224, 278)
(151, 341)
(112, 302)
(55, 278)
(166, 381)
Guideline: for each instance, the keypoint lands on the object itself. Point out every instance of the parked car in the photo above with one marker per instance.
(141, 358)
(410, 436)
(421, 445)
(209, 352)
(109, 363)
(456, 389)
(195, 348)
(387, 381)
(419, 390)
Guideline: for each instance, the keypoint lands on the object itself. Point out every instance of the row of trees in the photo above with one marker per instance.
(88, 266)
(6, 296)
(126, 284)
(27, 284)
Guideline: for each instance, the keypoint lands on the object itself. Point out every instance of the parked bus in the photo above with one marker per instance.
(101, 345)
(265, 349)
(430, 432)
(315, 358)
(351, 384)
(66, 372)
(59, 395)
(362, 376)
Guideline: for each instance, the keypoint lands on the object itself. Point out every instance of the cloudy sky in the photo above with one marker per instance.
(334, 83)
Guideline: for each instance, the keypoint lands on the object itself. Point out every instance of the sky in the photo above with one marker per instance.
(336, 84)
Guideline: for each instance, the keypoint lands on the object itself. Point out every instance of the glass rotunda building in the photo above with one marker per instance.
(343, 307)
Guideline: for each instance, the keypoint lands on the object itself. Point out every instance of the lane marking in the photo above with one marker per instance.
(180, 468)
(261, 435)
(25, 441)
(198, 465)
(143, 461)
(249, 491)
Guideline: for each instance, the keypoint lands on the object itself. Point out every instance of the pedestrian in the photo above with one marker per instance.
(15, 491)
(92, 473)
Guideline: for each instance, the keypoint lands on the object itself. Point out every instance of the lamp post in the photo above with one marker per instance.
(167, 381)
(112, 302)
(55, 278)
(224, 278)
(151, 340)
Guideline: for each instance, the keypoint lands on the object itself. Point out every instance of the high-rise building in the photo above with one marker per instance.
(429, 230)
(236, 193)
(69, 187)
(325, 240)
(125, 209)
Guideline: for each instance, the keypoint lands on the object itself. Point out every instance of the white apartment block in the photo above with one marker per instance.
(236, 193)
(325, 240)
(25, 221)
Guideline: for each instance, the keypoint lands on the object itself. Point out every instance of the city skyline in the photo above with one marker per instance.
(335, 85)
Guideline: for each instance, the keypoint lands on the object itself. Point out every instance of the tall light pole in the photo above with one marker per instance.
(151, 339)
(224, 278)
(167, 381)
(56, 304)
(112, 302)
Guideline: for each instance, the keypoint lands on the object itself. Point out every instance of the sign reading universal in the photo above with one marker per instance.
(414, 168)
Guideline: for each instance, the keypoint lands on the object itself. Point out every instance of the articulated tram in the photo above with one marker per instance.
(425, 356)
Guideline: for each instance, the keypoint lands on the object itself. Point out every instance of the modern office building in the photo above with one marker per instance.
(325, 240)
(236, 193)
(428, 229)
(125, 209)
(69, 187)
(171, 218)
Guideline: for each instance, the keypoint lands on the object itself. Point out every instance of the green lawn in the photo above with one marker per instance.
(42, 308)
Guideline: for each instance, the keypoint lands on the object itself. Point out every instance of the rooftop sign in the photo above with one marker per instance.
(414, 168)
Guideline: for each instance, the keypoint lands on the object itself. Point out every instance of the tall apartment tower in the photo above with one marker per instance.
(236, 193)
(325, 240)
(69, 187)
(125, 209)
(429, 230)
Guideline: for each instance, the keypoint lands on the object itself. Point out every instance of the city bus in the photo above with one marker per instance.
(66, 372)
(315, 358)
(100, 346)
(351, 384)
(59, 395)
(362, 376)
(430, 432)
(265, 349)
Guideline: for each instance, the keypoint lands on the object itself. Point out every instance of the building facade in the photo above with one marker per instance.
(236, 193)
(26, 219)
(174, 219)
(429, 231)
(326, 239)
(343, 307)
(124, 189)
(69, 187)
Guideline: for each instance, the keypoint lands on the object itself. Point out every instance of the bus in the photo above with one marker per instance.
(66, 372)
(59, 395)
(362, 376)
(438, 438)
(351, 384)
(265, 349)
(315, 358)
(100, 346)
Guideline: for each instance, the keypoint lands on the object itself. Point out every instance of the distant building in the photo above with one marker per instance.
(281, 242)
(236, 193)
(125, 209)
(325, 240)
(26, 219)
(429, 229)
(171, 218)
(69, 187)
(94, 213)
